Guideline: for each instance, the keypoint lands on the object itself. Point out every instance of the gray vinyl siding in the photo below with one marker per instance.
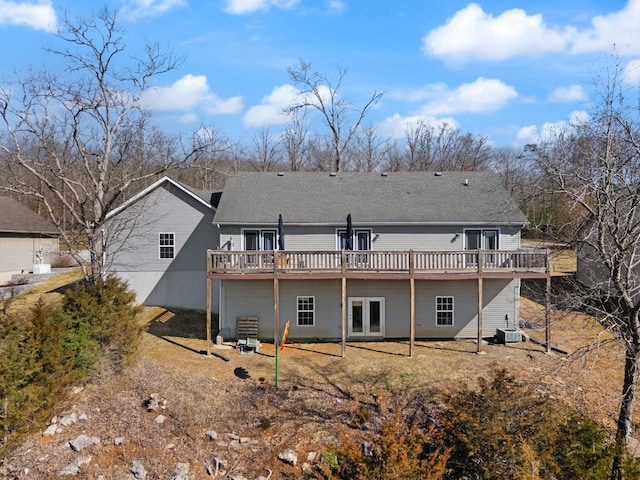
(251, 298)
(185, 289)
(18, 251)
(500, 298)
(390, 238)
(255, 298)
(133, 248)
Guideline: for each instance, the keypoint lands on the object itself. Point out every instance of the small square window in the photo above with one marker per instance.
(167, 244)
(306, 311)
(444, 311)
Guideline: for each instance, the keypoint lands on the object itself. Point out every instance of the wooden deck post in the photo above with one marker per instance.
(208, 316)
(208, 320)
(276, 311)
(412, 308)
(547, 307)
(344, 315)
(480, 302)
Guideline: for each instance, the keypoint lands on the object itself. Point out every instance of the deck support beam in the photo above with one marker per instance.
(344, 317)
(276, 311)
(480, 302)
(480, 307)
(208, 317)
(547, 307)
(412, 315)
(412, 305)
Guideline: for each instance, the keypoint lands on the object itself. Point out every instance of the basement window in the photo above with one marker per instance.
(444, 311)
(306, 311)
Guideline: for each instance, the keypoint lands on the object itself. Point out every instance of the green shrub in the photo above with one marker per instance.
(505, 430)
(100, 319)
(20, 389)
(46, 351)
(581, 450)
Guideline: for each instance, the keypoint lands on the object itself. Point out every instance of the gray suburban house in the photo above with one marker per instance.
(26, 238)
(157, 241)
(369, 256)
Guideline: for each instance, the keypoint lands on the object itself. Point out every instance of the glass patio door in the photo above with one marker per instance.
(366, 316)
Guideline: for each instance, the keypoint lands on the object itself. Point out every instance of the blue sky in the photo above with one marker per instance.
(510, 71)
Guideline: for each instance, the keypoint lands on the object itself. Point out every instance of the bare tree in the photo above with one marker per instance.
(319, 92)
(211, 162)
(266, 154)
(294, 140)
(369, 150)
(595, 166)
(90, 130)
(444, 148)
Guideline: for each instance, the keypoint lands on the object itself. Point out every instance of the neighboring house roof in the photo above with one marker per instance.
(18, 218)
(206, 197)
(372, 198)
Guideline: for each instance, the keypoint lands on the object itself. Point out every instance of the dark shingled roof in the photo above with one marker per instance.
(371, 198)
(212, 197)
(17, 218)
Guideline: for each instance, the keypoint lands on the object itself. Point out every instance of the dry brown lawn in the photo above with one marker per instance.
(321, 396)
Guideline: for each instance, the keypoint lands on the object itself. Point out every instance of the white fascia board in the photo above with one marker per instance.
(151, 188)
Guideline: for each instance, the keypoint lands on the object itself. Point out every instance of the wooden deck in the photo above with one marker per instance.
(378, 264)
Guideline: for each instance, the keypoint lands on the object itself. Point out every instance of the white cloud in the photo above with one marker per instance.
(396, 126)
(472, 34)
(240, 7)
(617, 28)
(570, 94)
(40, 15)
(149, 8)
(337, 6)
(548, 130)
(269, 111)
(631, 73)
(482, 95)
(187, 118)
(191, 92)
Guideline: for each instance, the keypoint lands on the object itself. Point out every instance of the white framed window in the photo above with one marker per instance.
(256, 239)
(166, 245)
(444, 311)
(477, 239)
(361, 239)
(306, 311)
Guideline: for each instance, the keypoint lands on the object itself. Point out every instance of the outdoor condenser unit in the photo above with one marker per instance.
(508, 335)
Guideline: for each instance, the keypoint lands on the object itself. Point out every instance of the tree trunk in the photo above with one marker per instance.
(625, 416)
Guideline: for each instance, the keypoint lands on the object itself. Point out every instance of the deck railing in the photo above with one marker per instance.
(230, 262)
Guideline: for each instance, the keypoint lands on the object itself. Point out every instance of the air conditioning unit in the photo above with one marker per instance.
(508, 335)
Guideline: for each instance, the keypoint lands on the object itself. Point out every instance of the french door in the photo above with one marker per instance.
(366, 317)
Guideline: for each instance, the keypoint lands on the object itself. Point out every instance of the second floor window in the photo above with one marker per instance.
(260, 240)
(361, 239)
(481, 239)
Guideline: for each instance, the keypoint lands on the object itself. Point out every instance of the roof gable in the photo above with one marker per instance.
(200, 196)
(371, 198)
(18, 218)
